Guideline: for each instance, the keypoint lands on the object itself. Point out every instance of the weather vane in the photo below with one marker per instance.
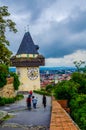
(26, 29)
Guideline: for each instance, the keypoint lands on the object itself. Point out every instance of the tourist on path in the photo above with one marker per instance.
(28, 100)
(34, 101)
(44, 101)
(30, 92)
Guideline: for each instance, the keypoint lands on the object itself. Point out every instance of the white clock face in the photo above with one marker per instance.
(32, 73)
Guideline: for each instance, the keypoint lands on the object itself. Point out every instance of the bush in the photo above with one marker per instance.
(49, 88)
(19, 97)
(66, 90)
(3, 74)
(42, 92)
(2, 102)
(3, 80)
(78, 110)
(81, 80)
(16, 82)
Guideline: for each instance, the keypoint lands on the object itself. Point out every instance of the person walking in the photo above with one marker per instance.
(30, 92)
(28, 100)
(44, 101)
(34, 101)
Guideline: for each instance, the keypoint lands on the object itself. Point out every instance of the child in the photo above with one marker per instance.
(34, 101)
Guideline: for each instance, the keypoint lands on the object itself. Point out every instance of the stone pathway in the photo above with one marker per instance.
(36, 119)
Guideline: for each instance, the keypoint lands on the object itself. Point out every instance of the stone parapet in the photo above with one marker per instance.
(60, 120)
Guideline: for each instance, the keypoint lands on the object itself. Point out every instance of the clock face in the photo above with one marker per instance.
(32, 73)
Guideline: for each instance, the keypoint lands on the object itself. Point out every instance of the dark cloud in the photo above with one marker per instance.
(35, 7)
(77, 24)
(61, 37)
(66, 37)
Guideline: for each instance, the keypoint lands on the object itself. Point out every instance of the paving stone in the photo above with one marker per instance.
(36, 119)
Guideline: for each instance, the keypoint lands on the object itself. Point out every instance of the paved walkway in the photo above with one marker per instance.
(36, 119)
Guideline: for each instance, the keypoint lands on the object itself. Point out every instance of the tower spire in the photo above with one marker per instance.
(27, 45)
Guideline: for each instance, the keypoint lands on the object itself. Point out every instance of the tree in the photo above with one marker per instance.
(66, 90)
(78, 64)
(3, 75)
(5, 23)
(81, 80)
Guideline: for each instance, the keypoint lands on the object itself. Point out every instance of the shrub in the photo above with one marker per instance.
(66, 90)
(49, 88)
(3, 80)
(2, 102)
(78, 110)
(42, 92)
(19, 97)
(80, 79)
(16, 82)
(3, 74)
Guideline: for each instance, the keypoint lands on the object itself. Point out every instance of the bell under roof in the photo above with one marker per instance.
(27, 45)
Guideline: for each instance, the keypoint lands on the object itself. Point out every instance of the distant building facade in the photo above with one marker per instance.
(27, 62)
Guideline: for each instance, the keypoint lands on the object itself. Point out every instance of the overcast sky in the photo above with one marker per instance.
(57, 26)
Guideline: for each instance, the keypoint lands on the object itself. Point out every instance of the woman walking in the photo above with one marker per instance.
(44, 101)
(28, 100)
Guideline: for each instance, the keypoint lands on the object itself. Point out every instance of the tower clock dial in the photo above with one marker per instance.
(32, 73)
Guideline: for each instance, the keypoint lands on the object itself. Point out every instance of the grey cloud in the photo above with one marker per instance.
(69, 36)
(60, 39)
(35, 7)
(78, 23)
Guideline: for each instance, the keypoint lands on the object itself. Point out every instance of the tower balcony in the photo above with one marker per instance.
(27, 61)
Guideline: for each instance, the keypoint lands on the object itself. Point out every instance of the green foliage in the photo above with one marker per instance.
(42, 92)
(19, 97)
(4, 68)
(5, 23)
(66, 90)
(16, 82)
(7, 117)
(4, 100)
(2, 79)
(49, 88)
(78, 110)
(81, 80)
(75, 91)
(83, 69)
(4, 54)
(3, 74)
(78, 64)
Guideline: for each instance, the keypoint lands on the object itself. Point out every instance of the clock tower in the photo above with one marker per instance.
(27, 61)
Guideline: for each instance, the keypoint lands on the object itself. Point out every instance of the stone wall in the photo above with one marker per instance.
(8, 89)
(60, 119)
